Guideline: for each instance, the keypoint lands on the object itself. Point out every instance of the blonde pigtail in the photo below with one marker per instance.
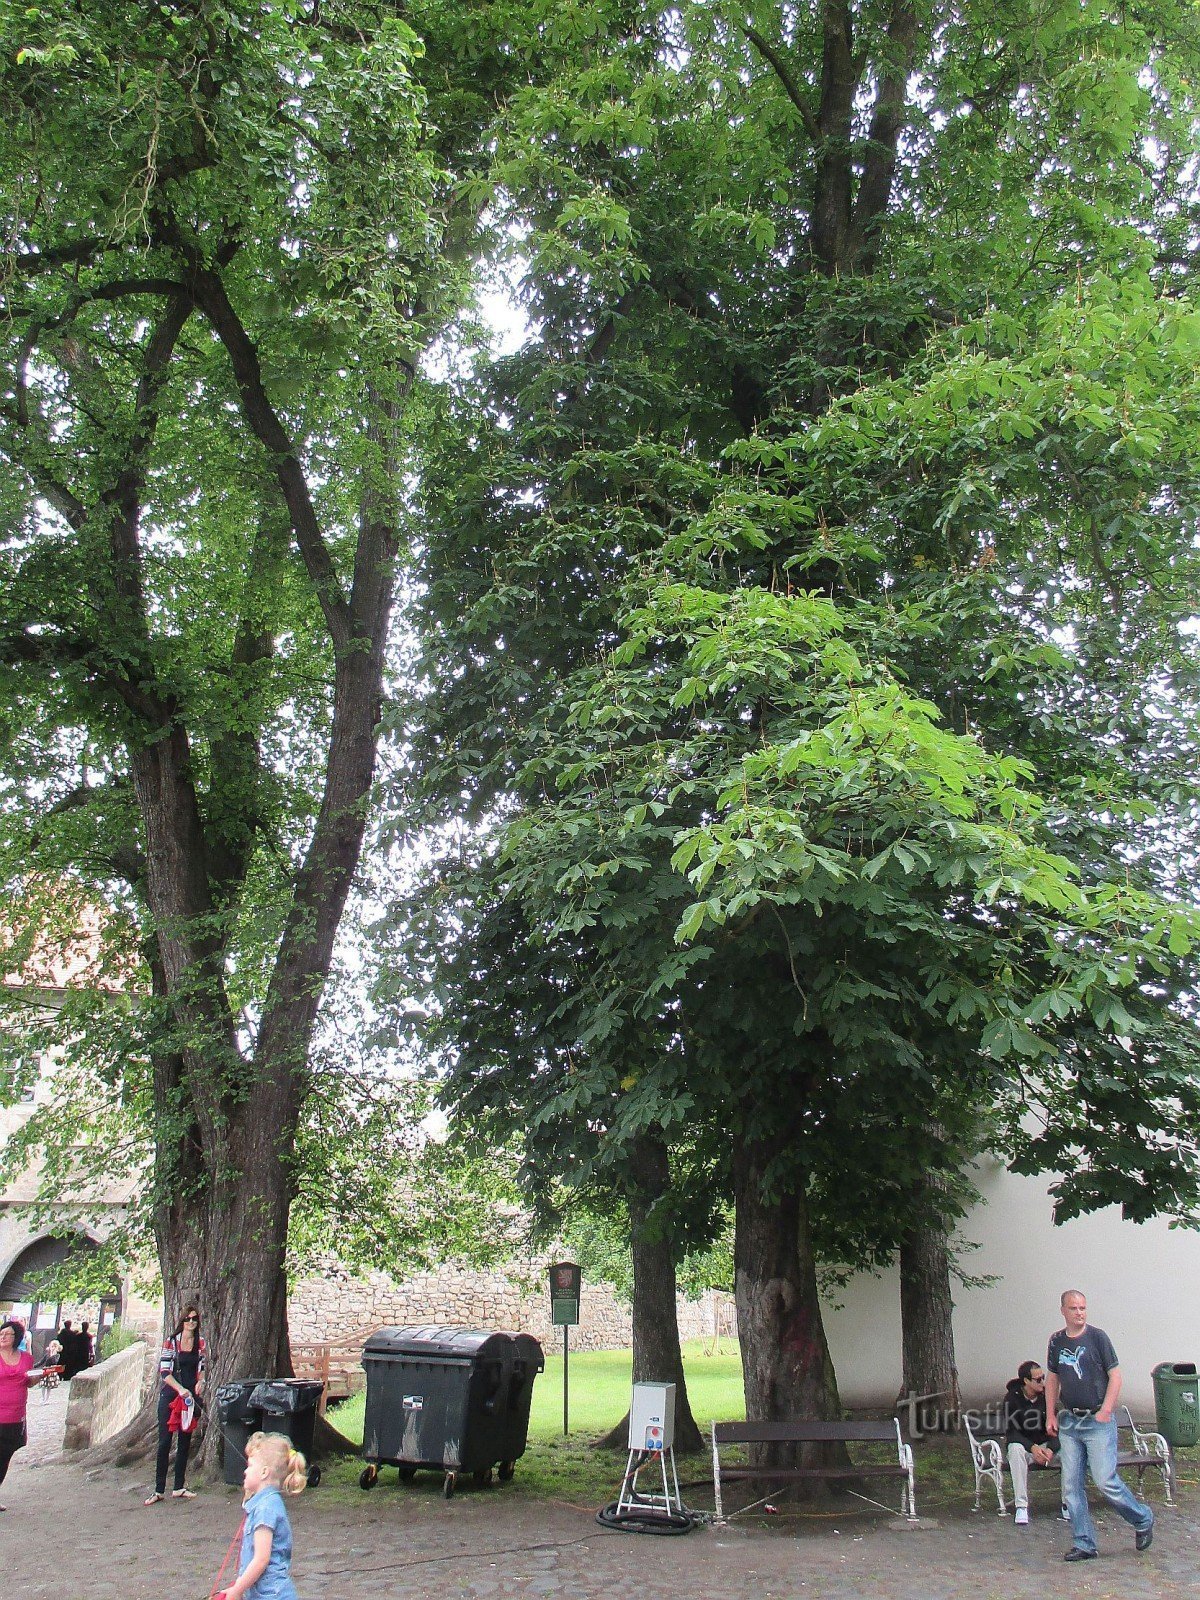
(296, 1477)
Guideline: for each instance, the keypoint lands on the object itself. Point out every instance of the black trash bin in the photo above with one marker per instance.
(289, 1405)
(449, 1400)
(240, 1417)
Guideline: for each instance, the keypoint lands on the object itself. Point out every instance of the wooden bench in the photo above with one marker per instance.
(989, 1451)
(800, 1432)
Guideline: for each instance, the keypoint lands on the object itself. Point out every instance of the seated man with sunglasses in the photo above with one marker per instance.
(1029, 1441)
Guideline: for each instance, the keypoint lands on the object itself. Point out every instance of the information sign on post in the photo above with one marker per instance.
(566, 1279)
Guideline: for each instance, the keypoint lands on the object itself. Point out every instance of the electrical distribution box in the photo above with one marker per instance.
(652, 1416)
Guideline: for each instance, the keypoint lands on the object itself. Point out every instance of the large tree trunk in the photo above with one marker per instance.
(657, 1357)
(786, 1365)
(927, 1328)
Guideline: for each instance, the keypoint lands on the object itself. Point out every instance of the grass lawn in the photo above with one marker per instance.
(571, 1468)
(599, 1393)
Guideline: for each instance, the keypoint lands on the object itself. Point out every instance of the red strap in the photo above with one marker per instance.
(216, 1588)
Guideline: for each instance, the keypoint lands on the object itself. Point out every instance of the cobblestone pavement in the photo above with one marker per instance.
(71, 1532)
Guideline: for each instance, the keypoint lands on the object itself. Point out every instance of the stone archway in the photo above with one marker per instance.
(23, 1292)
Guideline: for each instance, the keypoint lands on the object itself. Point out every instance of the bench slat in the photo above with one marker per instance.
(814, 1472)
(805, 1432)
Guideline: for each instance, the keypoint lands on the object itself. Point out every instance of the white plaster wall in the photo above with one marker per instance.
(1142, 1282)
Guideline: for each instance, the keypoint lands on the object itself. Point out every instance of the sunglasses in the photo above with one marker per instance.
(191, 1319)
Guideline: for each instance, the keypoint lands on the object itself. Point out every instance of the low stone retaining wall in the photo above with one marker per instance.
(106, 1397)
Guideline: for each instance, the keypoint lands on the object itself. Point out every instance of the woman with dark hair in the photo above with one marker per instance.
(181, 1370)
(17, 1373)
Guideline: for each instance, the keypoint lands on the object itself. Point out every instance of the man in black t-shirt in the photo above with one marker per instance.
(1083, 1385)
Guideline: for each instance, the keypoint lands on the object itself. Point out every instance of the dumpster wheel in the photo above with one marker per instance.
(314, 1477)
(506, 1470)
(367, 1477)
(406, 1474)
(448, 1485)
(482, 1478)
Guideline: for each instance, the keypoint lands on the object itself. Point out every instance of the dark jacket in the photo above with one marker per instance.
(1025, 1419)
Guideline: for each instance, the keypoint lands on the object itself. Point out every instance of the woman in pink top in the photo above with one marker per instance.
(17, 1372)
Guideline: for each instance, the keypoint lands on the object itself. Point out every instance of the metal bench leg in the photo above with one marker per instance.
(718, 1508)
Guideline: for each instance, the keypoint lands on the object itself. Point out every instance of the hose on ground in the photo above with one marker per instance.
(645, 1519)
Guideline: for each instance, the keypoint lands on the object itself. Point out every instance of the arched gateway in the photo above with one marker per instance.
(25, 1291)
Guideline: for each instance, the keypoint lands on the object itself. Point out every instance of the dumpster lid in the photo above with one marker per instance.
(436, 1341)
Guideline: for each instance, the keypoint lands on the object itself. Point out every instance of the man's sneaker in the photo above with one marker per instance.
(1066, 1515)
(1022, 1517)
(1144, 1539)
(1076, 1554)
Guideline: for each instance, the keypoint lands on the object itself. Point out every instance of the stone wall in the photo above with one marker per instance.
(106, 1397)
(335, 1304)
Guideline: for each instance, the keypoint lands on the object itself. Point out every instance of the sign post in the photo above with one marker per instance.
(565, 1283)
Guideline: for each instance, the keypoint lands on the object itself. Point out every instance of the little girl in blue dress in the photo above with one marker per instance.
(273, 1469)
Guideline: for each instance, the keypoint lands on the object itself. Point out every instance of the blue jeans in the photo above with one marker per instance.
(1090, 1445)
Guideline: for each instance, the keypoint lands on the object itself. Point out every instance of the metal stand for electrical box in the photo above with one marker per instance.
(669, 1502)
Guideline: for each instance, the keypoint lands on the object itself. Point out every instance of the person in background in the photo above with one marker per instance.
(87, 1346)
(1083, 1385)
(17, 1373)
(1025, 1432)
(68, 1337)
(181, 1367)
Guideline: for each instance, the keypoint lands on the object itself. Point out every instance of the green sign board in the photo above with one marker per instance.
(564, 1311)
(566, 1283)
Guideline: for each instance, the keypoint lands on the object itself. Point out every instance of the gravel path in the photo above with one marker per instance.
(73, 1532)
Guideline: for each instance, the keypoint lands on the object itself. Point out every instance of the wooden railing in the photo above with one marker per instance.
(332, 1363)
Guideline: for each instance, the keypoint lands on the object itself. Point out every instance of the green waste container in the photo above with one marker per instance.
(1177, 1402)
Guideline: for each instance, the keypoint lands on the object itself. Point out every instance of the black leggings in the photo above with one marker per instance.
(183, 1444)
(12, 1437)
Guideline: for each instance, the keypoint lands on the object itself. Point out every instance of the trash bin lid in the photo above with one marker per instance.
(235, 1399)
(282, 1396)
(436, 1342)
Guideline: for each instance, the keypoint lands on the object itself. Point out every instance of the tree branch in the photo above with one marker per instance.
(212, 299)
(22, 263)
(790, 87)
(830, 223)
(72, 510)
(887, 119)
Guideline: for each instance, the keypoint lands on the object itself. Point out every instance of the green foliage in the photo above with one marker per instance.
(230, 235)
(118, 1338)
(600, 1244)
(805, 632)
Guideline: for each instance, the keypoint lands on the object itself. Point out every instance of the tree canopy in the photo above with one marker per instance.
(806, 628)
